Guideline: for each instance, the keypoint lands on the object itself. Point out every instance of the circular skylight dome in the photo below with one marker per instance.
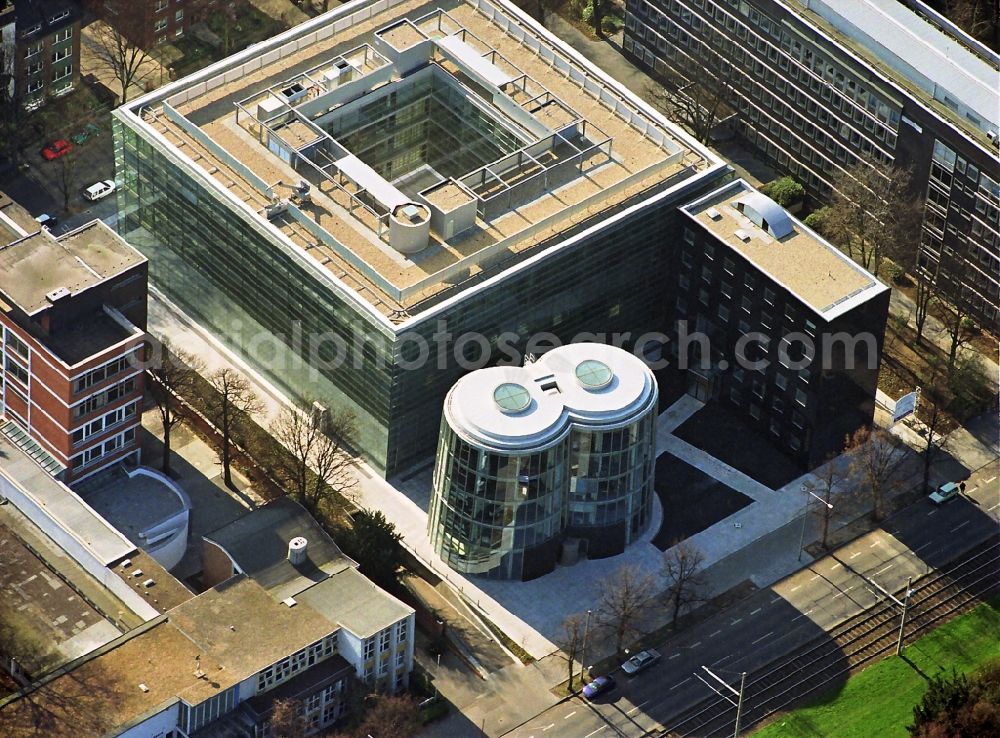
(594, 374)
(511, 398)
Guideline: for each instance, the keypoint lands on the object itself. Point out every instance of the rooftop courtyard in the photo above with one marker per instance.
(411, 149)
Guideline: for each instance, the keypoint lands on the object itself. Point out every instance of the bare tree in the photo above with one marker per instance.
(318, 464)
(287, 719)
(958, 324)
(924, 299)
(114, 50)
(389, 715)
(978, 18)
(173, 374)
(873, 214)
(934, 401)
(234, 399)
(572, 642)
(822, 486)
(682, 570)
(66, 181)
(624, 598)
(877, 458)
(599, 11)
(698, 99)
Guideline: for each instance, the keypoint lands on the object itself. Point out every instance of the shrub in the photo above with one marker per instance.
(817, 219)
(895, 273)
(784, 191)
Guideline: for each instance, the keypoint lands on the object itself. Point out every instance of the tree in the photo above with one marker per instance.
(698, 98)
(66, 181)
(933, 407)
(784, 191)
(114, 50)
(924, 298)
(389, 716)
(822, 485)
(682, 570)
(373, 542)
(318, 465)
(978, 18)
(173, 374)
(959, 706)
(233, 400)
(877, 458)
(599, 10)
(872, 214)
(958, 324)
(624, 598)
(287, 719)
(572, 641)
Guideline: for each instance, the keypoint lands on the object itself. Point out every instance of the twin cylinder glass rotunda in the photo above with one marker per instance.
(542, 462)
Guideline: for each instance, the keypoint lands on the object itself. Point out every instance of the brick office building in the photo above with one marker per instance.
(816, 95)
(39, 48)
(148, 23)
(72, 318)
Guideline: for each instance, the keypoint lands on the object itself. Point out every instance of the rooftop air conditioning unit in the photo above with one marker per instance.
(713, 214)
(743, 235)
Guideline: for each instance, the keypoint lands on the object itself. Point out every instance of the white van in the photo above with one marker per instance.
(99, 190)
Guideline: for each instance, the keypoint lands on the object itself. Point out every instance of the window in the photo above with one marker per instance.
(369, 649)
(107, 371)
(161, 25)
(161, 5)
(16, 345)
(801, 398)
(179, 16)
(64, 73)
(781, 381)
(59, 54)
(384, 639)
(723, 313)
(17, 371)
(64, 35)
(768, 295)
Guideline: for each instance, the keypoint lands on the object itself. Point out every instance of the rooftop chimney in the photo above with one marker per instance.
(297, 550)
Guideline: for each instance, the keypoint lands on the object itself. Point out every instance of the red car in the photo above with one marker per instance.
(56, 149)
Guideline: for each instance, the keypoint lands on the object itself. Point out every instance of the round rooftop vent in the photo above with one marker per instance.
(511, 398)
(594, 374)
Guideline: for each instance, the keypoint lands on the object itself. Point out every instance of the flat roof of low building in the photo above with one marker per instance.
(552, 142)
(801, 261)
(35, 268)
(355, 602)
(258, 544)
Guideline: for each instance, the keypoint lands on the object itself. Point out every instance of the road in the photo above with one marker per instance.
(775, 621)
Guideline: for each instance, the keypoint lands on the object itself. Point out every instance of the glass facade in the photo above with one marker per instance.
(503, 502)
(284, 315)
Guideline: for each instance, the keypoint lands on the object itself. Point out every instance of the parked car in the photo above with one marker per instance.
(46, 221)
(642, 660)
(599, 686)
(99, 190)
(945, 492)
(59, 147)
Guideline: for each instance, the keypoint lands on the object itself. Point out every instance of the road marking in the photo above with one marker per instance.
(548, 726)
(989, 480)
(885, 568)
(970, 490)
(995, 507)
(755, 611)
(797, 586)
(766, 635)
(724, 658)
(736, 621)
(931, 512)
(673, 657)
(715, 634)
(695, 645)
(637, 707)
(923, 545)
(874, 544)
(960, 525)
(808, 611)
(593, 732)
(855, 554)
(775, 599)
(680, 683)
(839, 594)
(835, 566)
(814, 578)
(570, 715)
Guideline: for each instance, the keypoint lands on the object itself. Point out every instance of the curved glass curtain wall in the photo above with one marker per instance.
(490, 510)
(611, 473)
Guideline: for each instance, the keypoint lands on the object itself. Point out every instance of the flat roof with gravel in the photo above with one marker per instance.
(328, 132)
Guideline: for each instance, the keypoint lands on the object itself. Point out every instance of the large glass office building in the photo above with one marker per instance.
(560, 450)
(340, 205)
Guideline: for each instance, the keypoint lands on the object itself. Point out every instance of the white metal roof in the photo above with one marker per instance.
(918, 50)
(773, 214)
(471, 58)
(581, 399)
(368, 179)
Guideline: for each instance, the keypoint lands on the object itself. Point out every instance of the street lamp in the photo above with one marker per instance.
(739, 695)
(583, 651)
(805, 517)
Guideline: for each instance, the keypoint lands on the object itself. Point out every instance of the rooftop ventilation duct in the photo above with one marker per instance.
(297, 550)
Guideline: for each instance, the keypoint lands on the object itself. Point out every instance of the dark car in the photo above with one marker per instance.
(599, 686)
(57, 148)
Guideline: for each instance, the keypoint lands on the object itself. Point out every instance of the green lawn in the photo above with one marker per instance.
(879, 701)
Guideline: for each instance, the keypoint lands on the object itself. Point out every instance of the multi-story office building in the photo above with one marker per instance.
(39, 49)
(358, 203)
(793, 328)
(821, 86)
(533, 457)
(72, 318)
(148, 23)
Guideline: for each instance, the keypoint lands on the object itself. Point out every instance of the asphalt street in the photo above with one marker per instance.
(775, 621)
